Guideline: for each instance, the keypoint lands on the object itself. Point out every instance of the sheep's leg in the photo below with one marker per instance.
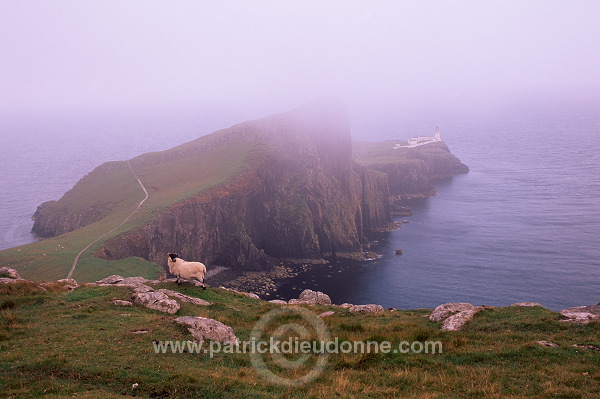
(203, 285)
(178, 281)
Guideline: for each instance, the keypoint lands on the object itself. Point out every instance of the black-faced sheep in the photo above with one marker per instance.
(185, 269)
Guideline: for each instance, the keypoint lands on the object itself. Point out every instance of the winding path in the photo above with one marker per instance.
(120, 224)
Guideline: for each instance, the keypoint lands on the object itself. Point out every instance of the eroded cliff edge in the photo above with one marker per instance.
(297, 192)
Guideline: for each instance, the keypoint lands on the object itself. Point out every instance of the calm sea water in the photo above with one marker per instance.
(523, 225)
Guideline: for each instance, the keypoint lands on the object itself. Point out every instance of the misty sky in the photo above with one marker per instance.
(136, 54)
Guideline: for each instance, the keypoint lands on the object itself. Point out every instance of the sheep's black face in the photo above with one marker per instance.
(172, 256)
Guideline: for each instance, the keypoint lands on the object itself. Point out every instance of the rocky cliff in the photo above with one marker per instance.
(279, 187)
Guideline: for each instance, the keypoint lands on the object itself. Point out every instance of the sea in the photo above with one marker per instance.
(522, 225)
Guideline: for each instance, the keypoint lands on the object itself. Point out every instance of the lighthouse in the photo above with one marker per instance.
(437, 134)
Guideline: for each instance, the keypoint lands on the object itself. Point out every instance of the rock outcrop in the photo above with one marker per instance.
(447, 309)
(157, 301)
(366, 309)
(311, 297)
(10, 273)
(203, 328)
(582, 314)
(458, 320)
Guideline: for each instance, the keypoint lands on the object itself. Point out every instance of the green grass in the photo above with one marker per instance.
(65, 344)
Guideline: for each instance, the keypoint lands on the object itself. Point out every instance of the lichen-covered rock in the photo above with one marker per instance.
(11, 273)
(447, 309)
(115, 278)
(278, 302)
(121, 303)
(366, 309)
(203, 328)
(315, 297)
(526, 304)
(582, 314)
(157, 301)
(185, 298)
(458, 320)
(68, 283)
(346, 305)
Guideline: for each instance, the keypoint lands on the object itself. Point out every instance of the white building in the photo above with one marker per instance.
(417, 141)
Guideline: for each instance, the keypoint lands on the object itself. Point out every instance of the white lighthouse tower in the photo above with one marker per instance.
(437, 134)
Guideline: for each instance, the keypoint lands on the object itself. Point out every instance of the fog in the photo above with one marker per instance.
(266, 56)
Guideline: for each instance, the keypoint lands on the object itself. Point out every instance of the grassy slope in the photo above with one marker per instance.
(167, 183)
(77, 343)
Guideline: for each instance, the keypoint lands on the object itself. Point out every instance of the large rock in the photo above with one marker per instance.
(11, 273)
(582, 314)
(458, 320)
(366, 309)
(315, 297)
(115, 278)
(203, 328)
(157, 301)
(447, 309)
(185, 298)
(278, 302)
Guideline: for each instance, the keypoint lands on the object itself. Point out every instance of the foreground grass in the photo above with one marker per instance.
(78, 344)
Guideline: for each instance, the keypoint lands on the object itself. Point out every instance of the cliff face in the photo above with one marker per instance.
(301, 197)
(412, 174)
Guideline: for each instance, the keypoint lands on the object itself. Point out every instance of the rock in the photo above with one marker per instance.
(346, 305)
(327, 314)
(582, 314)
(185, 298)
(445, 310)
(314, 297)
(526, 304)
(278, 302)
(366, 309)
(398, 251)
(458, 320)
(248, 294)
(203, 328)
(6, 280)
(121, 303)
(111, 279)
(591, 347)
(546, 343)
(134, 281)
(68, 283)
(157, 301)
(11, 273)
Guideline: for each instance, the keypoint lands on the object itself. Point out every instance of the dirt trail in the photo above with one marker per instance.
(111, 231)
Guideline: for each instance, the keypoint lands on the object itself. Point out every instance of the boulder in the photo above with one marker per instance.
(457, 321)
(111, 279)
(203, 328)
(6, 280)
(11, 273)
(547, 343)
(68, 283)
(346, 305)
(278, 302)
(315, 297)
(121, 303)
(185, 298)
(447, 309)
(526, 304)
(157, 301)
(366, 309)
(582, 314)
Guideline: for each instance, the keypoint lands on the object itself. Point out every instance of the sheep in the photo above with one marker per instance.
(185, 269)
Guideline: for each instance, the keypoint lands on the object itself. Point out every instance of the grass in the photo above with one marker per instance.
(65, 344)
